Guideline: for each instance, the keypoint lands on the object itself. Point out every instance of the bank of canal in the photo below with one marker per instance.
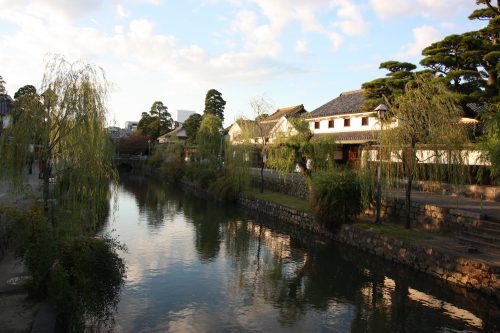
(196, 266)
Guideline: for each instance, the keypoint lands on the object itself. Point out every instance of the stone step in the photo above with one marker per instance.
(488, 231)
(478, 243)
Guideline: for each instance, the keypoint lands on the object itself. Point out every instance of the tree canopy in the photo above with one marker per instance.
(157, 122)
(191, 126)
(388, 87)
(74, 145)
(215, 104)
(428, 118)
(209, 138)
(2, 86)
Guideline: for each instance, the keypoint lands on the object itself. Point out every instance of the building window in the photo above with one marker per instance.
(331, 123)
(347, 122)
(316, 124)
(364, 121)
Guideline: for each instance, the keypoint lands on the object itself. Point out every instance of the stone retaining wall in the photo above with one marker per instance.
(292, 183)
(469, 273)
(430, 217)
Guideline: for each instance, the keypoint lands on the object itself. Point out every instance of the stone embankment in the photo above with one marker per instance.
(433, 259)
(466, 272)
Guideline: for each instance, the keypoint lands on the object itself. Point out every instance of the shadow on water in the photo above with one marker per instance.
(277, 277)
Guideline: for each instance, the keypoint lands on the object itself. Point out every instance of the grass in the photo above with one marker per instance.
(396, 231)
(281, 199)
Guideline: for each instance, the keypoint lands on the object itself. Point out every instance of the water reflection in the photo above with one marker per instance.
(195, 266)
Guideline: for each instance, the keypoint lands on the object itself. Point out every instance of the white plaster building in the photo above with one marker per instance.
(267, 129)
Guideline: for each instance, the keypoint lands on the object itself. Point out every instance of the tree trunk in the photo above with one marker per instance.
(262, 177)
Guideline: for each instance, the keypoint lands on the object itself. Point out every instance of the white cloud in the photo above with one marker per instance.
(350, 21)
(388, 9)
(121, 12)
(423, 37)
(301, 47)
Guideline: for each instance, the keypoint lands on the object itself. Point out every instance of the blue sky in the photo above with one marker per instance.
(293, 51)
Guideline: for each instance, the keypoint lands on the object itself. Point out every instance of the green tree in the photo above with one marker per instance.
(74, 148)
(209, 139)
(191, 126)
(157, 122)
(389, 87)
(427, 130)
(214, 104)
(2, 86)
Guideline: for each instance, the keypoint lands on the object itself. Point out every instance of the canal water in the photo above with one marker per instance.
(195, 266)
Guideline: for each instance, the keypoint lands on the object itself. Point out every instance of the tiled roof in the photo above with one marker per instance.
(348, 102)
(289, 111)
(253, 128)
(349, 136)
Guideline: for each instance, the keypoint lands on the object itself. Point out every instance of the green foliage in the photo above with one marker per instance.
(386, 89)
(209, 138)
(2, 86)
(169, 159)
(428, 118)
(214, 104)
(85, 283)
(191, 126)
(74, 143)
(490, 141)
(293, 151)
(335, 197)
(81, 276)
(157, 122)
(202, 173)
(281, 199)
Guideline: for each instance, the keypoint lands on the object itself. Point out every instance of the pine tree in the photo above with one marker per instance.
(215, 104)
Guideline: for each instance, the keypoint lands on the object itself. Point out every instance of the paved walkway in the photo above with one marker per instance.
(17, 310)
(489, 208)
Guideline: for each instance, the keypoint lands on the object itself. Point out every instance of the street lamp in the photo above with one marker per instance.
(381, 114)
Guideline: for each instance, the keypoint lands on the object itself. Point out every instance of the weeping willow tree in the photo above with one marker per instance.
(298, 150)
(66, 127)
(427, 141)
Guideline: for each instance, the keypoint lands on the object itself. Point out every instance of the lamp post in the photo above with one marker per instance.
(381, 112)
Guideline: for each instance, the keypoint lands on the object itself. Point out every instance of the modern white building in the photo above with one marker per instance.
(131, 125)
(182, 115)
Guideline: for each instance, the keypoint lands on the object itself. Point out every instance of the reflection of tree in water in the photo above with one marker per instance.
(154, 199)
(296, 280)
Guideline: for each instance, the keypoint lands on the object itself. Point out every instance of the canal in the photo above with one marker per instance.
(194, 266)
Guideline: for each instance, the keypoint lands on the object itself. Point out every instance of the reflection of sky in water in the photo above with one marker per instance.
(193, 267)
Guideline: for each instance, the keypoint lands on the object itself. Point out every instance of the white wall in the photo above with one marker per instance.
(355, 124)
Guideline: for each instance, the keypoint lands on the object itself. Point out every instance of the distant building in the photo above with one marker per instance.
(116, 133)
(182, 115)
(267, 129)
(5, 111)
(131, 125)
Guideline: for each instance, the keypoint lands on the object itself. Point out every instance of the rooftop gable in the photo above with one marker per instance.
(289, 111)
(347, 103)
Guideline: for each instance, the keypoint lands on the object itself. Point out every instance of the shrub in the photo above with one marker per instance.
(228, 186)
(85, 283)
(335, 196)
(202, 172)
